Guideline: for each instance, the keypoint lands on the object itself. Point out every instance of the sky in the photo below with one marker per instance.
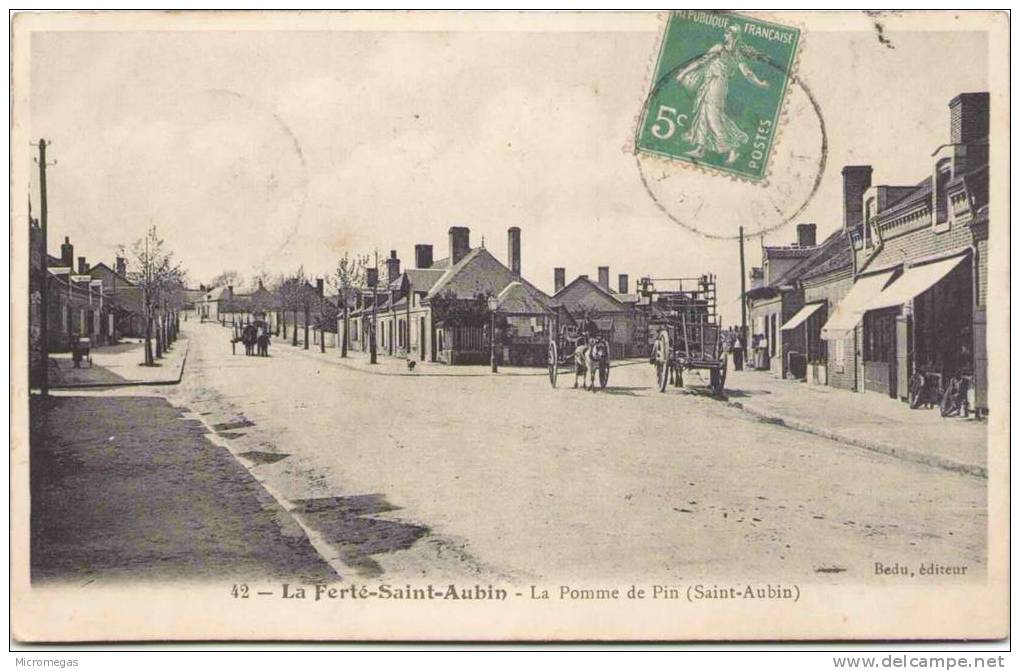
(268, 150)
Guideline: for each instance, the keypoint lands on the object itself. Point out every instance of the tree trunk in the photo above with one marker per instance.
(159, 339)
(294, 342)
(148, 342)
(347, 326)
(306, 327)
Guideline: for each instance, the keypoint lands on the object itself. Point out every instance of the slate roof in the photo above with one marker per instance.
(522, 299)
(423, 279)
(839, 256)
(617, 298)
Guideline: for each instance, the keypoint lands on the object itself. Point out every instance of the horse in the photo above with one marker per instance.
(588, 359)
(248, 337)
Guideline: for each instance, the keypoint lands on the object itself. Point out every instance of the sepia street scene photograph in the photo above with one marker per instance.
(694, 309)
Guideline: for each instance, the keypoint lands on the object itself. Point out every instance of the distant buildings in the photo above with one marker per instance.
(440, 311)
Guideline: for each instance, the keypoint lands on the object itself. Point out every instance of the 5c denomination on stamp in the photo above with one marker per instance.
(718, 90)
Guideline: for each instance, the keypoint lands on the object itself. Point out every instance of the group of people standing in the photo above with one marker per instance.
(254, 336)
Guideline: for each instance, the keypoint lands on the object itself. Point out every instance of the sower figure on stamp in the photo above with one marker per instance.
(708, 77)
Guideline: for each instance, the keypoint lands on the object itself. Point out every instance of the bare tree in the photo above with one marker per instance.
(226, 278)
(161, 280)
(348, 278)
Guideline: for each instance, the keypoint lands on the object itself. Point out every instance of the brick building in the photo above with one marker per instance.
(920, 257)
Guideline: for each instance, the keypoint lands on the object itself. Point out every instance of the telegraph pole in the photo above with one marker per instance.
(743, 295)
(373, 280)
(44, 388)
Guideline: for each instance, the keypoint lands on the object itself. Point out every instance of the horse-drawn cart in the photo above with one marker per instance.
(690, 335)
(578, 344)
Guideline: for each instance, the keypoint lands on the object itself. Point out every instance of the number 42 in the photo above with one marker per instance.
(666, 122)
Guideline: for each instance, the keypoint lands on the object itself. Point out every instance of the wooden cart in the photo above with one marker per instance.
(689, 335)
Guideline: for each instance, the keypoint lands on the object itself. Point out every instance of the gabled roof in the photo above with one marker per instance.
(110, 270)
(587, 283)
(836, 254)
(478, 273)
(520, 298)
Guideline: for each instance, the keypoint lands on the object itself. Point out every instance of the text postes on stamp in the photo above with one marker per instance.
(717, 92)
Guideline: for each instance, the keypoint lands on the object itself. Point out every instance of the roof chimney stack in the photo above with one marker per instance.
(604, 277)
(392, 266)
(121, 264)
(83, 268)
(559, 279)
(513, 249)
(856, 180)
(968, 118)
(423, 256)
(66, 253)
(320, 286)
(806, 235)
(460, 243)
(624, 283)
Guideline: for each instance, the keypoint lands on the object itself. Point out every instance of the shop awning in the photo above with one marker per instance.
(851, 309)
(914, 282)
(802, 315)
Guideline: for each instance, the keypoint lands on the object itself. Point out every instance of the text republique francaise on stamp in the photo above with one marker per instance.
(718, 91)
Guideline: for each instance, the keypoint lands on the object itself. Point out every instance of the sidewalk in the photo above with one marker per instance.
(129, 488)
(119, 365)
(868, 420)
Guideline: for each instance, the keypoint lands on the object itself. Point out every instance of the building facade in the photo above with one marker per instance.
(920, 254)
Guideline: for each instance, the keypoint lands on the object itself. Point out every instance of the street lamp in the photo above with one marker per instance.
(493, 304)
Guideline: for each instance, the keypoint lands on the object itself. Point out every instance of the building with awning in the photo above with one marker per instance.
(850, 311)
(917, 305)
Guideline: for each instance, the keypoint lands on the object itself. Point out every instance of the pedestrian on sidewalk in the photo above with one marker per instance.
(738, 353)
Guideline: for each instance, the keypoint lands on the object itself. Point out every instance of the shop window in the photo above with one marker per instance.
(879, 335)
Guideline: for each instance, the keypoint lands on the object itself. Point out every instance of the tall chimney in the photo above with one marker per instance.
(604, 277)
(806, 235)
(392, 266)
(460, 243)
(423, 256)
(856, 180)
(513, 249)
(83, 268)
(624, 283)
(121, 264)
(320, 286)
(66, 253)
(968, 118)
(559, 279)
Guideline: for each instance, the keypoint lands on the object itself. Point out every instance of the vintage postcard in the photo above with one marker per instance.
(519, 326)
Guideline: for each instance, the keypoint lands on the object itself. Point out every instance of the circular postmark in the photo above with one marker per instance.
(694, 187)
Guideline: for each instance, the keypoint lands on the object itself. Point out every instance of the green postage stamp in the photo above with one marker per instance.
(717, 92)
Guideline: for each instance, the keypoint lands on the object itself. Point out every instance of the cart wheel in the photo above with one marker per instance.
(554, 362)
(662, 360)
(719, 379)
(604, 374)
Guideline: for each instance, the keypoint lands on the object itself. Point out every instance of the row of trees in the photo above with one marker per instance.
(153, 269)
(293, 294)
